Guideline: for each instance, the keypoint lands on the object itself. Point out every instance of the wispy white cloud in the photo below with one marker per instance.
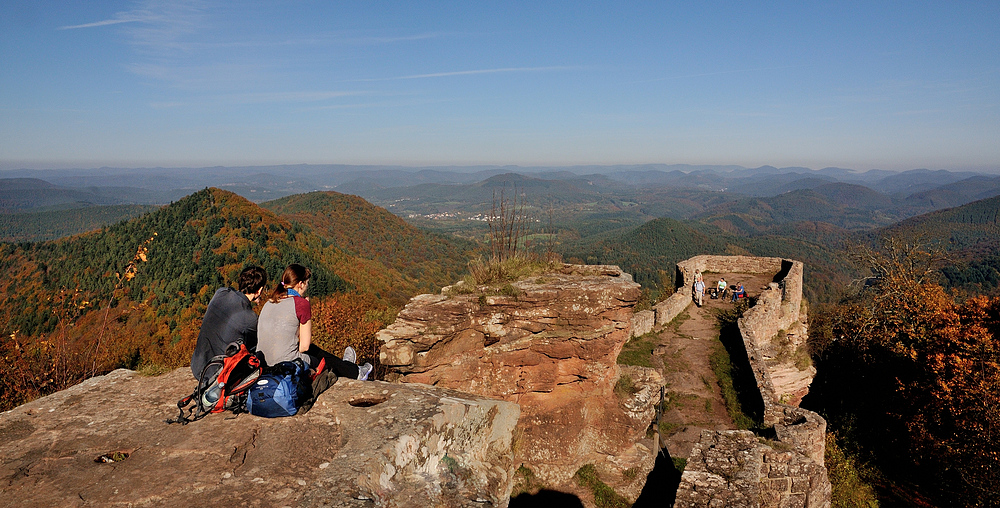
(159, 21)
(169, 24)
(113, 21)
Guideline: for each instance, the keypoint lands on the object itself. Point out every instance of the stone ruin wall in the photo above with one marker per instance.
(735, 468)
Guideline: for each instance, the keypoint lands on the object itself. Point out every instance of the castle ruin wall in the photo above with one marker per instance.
(763, 476)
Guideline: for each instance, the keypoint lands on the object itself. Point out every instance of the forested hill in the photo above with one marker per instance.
(962, 227)
(969, 235)
(429, 261)
(133, 294)
(194, 246)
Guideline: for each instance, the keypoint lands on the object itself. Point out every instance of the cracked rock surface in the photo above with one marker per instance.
(362, 444)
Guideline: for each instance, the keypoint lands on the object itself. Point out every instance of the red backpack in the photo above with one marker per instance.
(236, 371)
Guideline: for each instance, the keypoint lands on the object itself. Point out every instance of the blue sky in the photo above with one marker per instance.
(890, 85)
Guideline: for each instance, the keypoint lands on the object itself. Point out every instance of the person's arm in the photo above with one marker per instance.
(305, 336)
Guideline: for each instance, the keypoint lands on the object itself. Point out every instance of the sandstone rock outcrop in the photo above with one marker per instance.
(550, 344)
(362, 444)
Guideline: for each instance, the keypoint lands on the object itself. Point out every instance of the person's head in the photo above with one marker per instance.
(294, 277)
(252, 281)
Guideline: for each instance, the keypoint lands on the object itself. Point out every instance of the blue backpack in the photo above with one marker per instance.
(281, 391)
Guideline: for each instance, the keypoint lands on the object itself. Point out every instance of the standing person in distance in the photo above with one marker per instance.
(229, 318)
(699, 291)
(285, 329)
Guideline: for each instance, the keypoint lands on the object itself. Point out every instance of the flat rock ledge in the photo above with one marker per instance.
(362, 444)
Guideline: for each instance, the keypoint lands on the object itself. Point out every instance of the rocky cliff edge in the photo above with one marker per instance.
(104, 442)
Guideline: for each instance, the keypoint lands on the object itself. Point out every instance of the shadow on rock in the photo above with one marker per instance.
(546, 499)
(661, 484)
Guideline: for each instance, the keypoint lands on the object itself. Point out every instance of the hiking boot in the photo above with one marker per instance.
(350, 355)
(363, 371)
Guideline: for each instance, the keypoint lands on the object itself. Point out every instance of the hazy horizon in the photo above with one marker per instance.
(7, 167)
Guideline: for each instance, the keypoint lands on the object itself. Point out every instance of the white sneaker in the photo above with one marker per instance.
(363, 371)
(350, 355)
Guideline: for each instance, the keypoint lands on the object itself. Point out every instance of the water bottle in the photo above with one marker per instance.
(212, 395)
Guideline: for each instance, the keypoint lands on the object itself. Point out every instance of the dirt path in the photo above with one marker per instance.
(684, 348)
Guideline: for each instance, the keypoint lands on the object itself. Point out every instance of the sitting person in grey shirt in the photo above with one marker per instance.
(285, 329)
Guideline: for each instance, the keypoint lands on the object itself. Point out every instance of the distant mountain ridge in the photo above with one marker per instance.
(261, 183)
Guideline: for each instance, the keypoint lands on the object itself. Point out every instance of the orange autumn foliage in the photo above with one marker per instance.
(348, 319)
(914, 376)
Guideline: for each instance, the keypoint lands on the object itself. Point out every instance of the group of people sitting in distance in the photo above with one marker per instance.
(283, 332)
(698, 289)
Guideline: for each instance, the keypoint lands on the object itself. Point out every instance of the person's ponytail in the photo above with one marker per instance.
(293, 274)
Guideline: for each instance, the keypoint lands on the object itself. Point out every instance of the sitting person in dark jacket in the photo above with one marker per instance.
(229, 318)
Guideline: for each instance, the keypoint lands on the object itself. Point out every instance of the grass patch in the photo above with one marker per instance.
(645, 301)
(677, 321)
(723, 369)
(604, 496)
(801, 358)
(630, 474)
(466, 286)
(625, 387)
(153, 369)
(525, 482)
(776, 445)
(850, 490)
(667, 428)
(679, 463)
(509, 290)
(493, 271)
(783, 343)
(639, 351)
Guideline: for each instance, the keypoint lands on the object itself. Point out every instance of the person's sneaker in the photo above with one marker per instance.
(350, 355)
(363, 371)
